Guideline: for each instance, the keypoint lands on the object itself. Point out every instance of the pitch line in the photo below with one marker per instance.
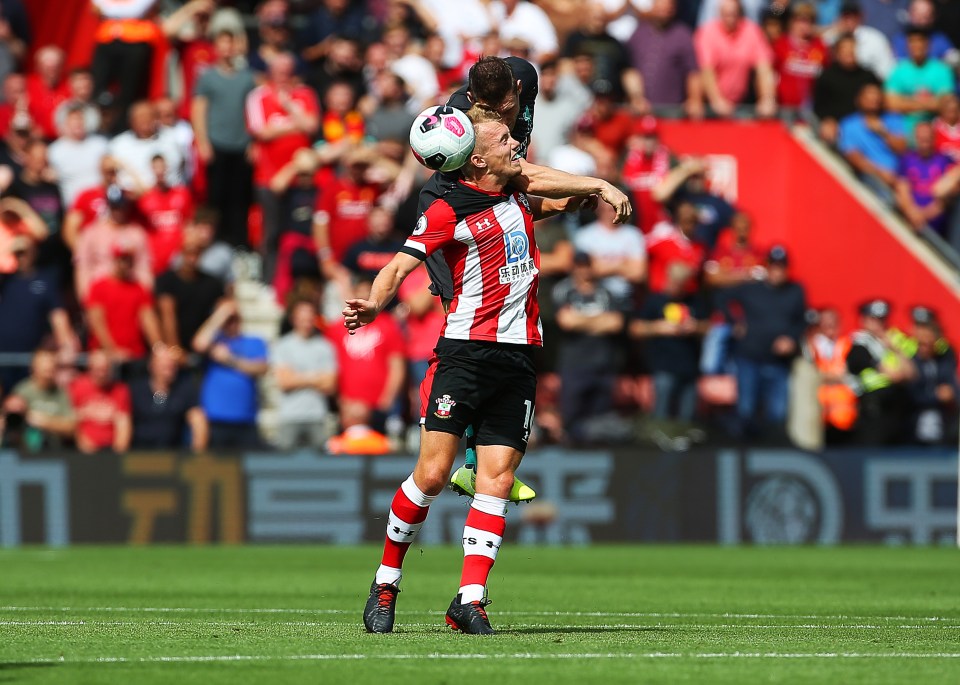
(516, 655)
(560, 614)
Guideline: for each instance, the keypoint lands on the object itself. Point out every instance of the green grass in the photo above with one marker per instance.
(622, 615)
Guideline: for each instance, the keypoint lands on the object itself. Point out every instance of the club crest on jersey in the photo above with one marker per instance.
(421, 225)
(445, 405)
(522, 199)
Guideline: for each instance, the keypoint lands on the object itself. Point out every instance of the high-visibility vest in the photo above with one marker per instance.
(839, 401)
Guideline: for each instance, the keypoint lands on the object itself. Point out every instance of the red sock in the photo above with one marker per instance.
(482, 536)
(406, 518)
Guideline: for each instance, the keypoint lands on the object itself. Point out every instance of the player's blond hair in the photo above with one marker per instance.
(482, 115)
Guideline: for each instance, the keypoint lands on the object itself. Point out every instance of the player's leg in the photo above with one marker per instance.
(464, 479)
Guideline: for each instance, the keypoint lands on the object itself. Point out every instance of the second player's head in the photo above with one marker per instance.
(492, 85)
(495, 153)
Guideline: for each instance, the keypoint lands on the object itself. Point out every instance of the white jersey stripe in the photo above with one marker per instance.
(512, 324)
(460, 321)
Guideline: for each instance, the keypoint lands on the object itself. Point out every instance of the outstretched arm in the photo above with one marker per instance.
(553, 183)
(359, 313)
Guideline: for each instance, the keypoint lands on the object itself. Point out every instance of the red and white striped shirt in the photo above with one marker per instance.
(488, 242)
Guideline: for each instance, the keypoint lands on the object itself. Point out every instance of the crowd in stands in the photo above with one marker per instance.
(275, 133)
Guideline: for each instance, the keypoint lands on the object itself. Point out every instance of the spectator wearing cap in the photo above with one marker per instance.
(94, 259)
(672, 323)
(799, 57)
(228, 394)
(120, 311)
(917, 81)
(835, 90)
(75, 157)
(524, 20)
(769, 321)
(283, 117)
(165, 406)
(920, 171)
(733, 55)
(165, 210)
(590, 317)
(662, 51)
(17, 219)
(46, 88)
(873, 49)
(882, 372)
(146, 138)
(30, 297)
(672, 241)
(40, 406)
(922, 14)
(871, 141)
(687, 182)
(618, 253)
(646, 165)
(560, 104)
(946, 127)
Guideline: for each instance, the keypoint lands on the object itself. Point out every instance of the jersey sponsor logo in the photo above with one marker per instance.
(445, 405)
(517, 246)
(421, 225)
(484, 225)
(522, 199)
(515, 272)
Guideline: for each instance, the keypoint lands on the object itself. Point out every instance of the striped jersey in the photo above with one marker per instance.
(488, 243)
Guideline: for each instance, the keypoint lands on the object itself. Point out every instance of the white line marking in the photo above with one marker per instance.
(517, 655)
(595, 614)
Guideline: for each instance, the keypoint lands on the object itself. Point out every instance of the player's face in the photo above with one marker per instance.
(500, 151)
(508, 108)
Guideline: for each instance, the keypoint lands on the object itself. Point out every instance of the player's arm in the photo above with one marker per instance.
(545, 207)
(553, 183)
(359, 313)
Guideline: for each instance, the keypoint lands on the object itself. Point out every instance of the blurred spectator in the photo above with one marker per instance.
(216, 258)
(769, 321)
(415, 70)
(102, 406)
(389, 118)
(228, 395)
(94, 258)
(14, 103)
(871, 141)
(422, 318)
(934, 391)
(333, 19)
(873, 49)
(120, 310)
(341, 121)
(186, 296)
(687, 182)
(136, 148)
(187, 29)
(165, 210)
(343, 63)
(559, 107)
(921, 15)
(611, 61)
(366, 257)
(371, 363)
(304, 364)
(14, 36)
(90, 204)
(662, 51)
(799, 57)
(671, 241)
(618, 253)
(76, 155)
(17, 219)
(916, 82)
(711, 10)
(590, 318)
(835, 91)
(165, 406)
(524, 20)
(79, 95)
(169, 119)
(735, 258)
(46, 88)
(882, 372)
(733, 55)
(946, 127)
(31, 298)
(605, 127)
(947, 19)
(343, 208)
(41, 408)
(282, 116)
(273, 38)
(217, 114)
(828, 350)
(357, 436)
(647, 163)
(127, 40)
(556, 263)
(35, 186)
(672, 323)
(920, 169)
(13, 147)
(460, 25)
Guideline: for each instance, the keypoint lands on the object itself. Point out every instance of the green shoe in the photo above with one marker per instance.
(464, 482)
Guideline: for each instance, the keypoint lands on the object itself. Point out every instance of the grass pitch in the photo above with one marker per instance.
(573, 615)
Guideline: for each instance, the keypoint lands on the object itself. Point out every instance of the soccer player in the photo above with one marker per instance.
(509, 88)
(485, 375)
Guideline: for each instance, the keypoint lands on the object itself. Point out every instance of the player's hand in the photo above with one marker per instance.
(359, 313)
(617, 199)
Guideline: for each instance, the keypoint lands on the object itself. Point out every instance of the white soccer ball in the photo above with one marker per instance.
(442, 138)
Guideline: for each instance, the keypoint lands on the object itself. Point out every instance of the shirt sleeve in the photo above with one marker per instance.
(122, 396)
(434, 229)
(895, 82)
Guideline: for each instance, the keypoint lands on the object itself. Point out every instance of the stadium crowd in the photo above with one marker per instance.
(279, 138)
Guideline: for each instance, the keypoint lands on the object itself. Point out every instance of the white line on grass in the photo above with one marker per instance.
(516, 655)
(595, 614)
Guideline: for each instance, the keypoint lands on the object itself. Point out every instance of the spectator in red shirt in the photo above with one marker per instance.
(344, 208)
(165, 211)
(283, 116)
(193, 45)
(946, 127)
(120, 310)
(14, 100)
(672, 242)
(606, 126)
(102, 407)
(371, 362)
(46, 88)
(735, 258)
(798, 57)
(90, 204)
(648, 162)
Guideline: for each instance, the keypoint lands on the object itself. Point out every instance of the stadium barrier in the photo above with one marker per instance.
(724, 496)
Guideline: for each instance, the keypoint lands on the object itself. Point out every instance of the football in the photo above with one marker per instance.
(442, 138)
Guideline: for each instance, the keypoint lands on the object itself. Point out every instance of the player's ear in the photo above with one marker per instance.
(519, 86)
(478, 161)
